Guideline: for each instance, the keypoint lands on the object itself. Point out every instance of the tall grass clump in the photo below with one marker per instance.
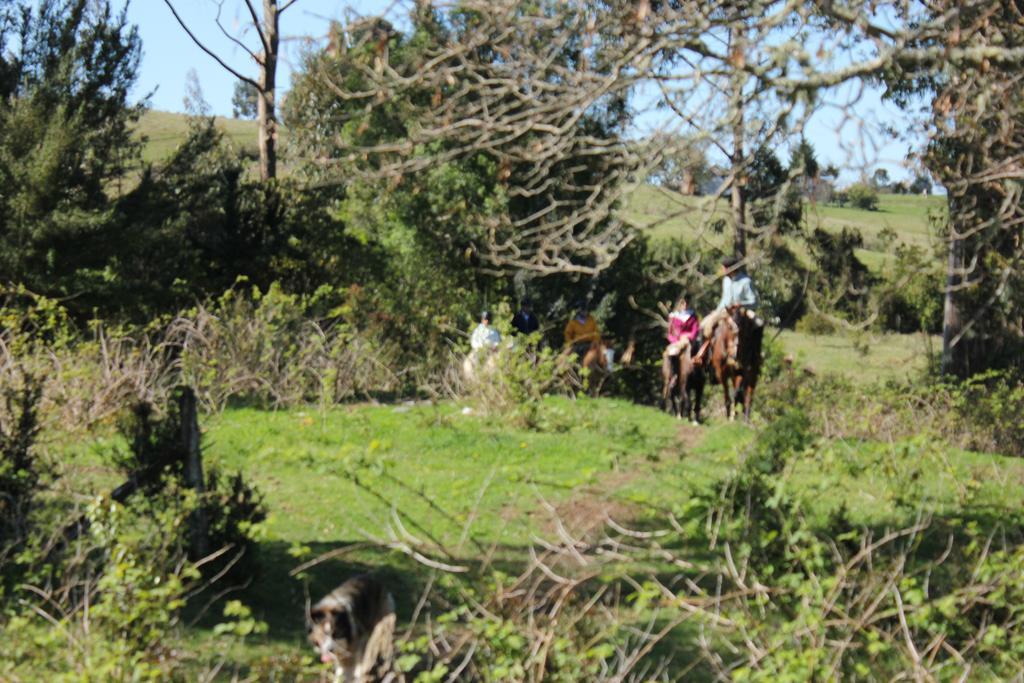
(267, 349)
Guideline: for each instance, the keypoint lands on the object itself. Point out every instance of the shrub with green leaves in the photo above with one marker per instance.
(230, 508)
(21, 472)
(910, 294)
(268, 348)
(862, 196)
(813, 601)
(513, 379)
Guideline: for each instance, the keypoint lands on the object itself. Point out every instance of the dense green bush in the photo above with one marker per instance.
(21, 473)
(840, 283)
(512, 380)
(66, 138)
(115, 610)
(100, 594)
(827, 599)
(862, 196)
(231, 510)
(910, 293)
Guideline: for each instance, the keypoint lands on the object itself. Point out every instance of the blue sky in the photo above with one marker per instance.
(169, 55)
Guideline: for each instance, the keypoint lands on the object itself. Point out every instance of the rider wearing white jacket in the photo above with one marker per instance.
(485, 336)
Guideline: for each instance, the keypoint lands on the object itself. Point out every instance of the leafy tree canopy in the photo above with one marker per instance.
(65, 138)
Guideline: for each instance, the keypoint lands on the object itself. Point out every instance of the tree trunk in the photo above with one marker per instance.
(266, 106)
(954, 348)
(737, 51)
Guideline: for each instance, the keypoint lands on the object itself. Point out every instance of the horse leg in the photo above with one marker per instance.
(684, 396)
(598, 371)
(684, 370)
(588, 367)
(698, 393)
(748, 399)
(665, 381)
(728, 396)
(666, 384)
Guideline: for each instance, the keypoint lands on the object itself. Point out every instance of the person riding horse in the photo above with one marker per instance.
(581, 332)
(738, 298)
(683, 326)
(525, 321)
(483, 343)
(680, 377)
(484, 337)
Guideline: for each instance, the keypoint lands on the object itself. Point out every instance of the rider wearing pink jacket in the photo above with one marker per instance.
(682, 323)
(683, 326)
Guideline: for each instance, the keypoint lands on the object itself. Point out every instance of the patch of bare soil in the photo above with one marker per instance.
(585, 514)
(688, 436)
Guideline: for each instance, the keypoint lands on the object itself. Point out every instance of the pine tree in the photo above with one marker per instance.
(65, 138)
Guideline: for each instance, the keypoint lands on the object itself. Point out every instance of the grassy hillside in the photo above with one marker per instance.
(164, 131)
(663, 213)
(879, 357)
(666, 214)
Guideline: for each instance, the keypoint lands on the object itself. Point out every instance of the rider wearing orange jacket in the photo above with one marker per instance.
(581, 331)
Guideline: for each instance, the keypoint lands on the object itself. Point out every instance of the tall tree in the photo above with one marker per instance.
(66, 142)
(265, 54)
(511, 90)
(970, 69)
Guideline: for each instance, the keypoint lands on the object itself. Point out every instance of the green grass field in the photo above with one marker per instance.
(666, 214)
(164, 131)
(591, 456)
(875, 357)
(479, 486)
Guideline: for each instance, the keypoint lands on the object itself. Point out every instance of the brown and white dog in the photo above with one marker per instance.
(353, 628)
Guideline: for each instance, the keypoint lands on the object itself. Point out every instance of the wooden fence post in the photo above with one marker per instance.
(194, 468)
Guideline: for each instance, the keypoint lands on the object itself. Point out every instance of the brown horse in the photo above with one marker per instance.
(738, 381)
(595, 361)
(681, 376)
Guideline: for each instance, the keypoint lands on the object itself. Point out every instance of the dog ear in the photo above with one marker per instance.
(320, 615)
(342, 625)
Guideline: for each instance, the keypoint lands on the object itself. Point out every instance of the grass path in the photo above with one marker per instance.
(330, 478)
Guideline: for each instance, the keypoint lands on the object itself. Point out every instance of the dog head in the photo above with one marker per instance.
(331, 631)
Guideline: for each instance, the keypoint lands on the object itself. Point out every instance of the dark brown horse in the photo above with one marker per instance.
(738, 381)
(680, 377)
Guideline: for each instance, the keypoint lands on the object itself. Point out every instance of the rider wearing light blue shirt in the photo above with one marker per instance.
(737, 293)
(737, 290)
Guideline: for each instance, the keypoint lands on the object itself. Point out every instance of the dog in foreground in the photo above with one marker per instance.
(352, 627)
